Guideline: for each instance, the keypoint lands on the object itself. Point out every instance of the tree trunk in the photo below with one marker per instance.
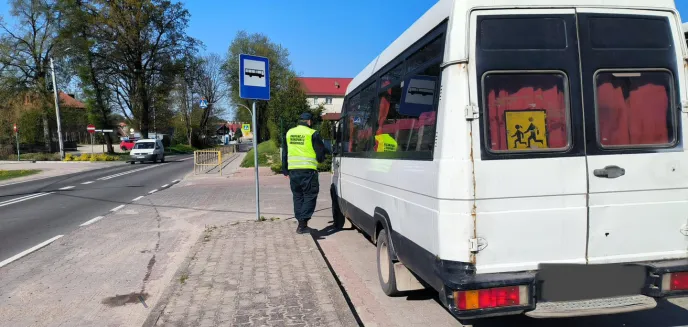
(47, 139)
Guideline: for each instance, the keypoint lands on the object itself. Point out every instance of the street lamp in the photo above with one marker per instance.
(57, 109)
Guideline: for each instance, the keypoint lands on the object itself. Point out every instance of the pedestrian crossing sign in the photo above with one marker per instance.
(246, 129)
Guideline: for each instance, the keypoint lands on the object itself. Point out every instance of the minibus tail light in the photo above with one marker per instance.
(491, 297)
(677, 281)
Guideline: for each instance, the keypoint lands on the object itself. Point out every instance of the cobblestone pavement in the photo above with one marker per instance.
(254, 274)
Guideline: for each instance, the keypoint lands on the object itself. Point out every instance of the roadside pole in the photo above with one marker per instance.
(255, 158)
(16, 135)
(254, 82)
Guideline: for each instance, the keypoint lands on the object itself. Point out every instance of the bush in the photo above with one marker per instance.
(276, 168)
(33, 156)
(92, 158)
(326, 165)
(181, 149)
(268, 154)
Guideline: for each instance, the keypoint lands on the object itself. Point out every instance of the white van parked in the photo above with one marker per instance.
(147, 150)
(520, 156)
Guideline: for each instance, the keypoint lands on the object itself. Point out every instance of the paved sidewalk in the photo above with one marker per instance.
(254, 274)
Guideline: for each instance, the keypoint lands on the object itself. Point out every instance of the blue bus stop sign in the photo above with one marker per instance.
(254, 77)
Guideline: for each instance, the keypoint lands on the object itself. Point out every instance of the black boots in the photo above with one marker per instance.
(303, 227)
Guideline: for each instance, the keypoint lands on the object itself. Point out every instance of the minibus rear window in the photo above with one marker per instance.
(523, 34)
(629, 33)
(526, 111)
(634, 108)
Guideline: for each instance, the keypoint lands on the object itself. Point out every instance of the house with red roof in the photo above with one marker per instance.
(326, 91)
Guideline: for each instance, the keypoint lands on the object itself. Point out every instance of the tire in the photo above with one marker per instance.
(385, 266)
(338, 219)
(163, 159)
(133, 162)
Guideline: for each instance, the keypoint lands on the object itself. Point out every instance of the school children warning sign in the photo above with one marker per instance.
(526, 129)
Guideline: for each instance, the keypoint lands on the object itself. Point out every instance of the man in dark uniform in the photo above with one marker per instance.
(302, 150)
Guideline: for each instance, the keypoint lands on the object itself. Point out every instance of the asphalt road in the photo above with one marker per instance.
(35, 211)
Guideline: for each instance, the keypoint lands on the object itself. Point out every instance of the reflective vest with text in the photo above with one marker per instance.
(300, 152)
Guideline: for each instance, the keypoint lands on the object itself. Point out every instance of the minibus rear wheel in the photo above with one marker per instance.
(385, 266)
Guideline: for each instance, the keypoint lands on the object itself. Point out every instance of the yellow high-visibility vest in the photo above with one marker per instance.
(386, 143)
(300, 152)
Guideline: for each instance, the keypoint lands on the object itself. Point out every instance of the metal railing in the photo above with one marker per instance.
(212, 161)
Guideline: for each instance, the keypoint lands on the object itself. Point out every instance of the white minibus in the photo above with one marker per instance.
(524, 156)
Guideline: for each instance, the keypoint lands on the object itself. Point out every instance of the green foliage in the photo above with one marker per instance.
(287, 98)
(181, 149)
(276, 167)
(7, 174)
(33, 157)
(326, 130)
(268, 153)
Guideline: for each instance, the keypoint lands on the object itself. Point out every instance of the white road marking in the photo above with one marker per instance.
(23, 198)
(129, 172)
(117, 208)
(86, 183)
(66, 188)
(164, 186)
(24, 253)
(186, 159)
(175, 181)
(92, 221)
(153, 191)
(139, 198)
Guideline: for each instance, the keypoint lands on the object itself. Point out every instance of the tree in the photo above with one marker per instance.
(211, 85)
(81, 31)
(25, 52)
(143, 40)
(280, 75)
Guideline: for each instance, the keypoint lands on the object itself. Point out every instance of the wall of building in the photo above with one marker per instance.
(335, 107)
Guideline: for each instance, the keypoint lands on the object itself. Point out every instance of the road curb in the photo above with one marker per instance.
(166, 295)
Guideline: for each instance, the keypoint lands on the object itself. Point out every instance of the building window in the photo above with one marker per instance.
(526, 112)
(315, 101)
(634, 109)
(328, 100)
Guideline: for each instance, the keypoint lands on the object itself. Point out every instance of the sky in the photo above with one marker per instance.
(324, 38)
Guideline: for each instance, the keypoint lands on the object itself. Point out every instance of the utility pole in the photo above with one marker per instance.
(57, 110)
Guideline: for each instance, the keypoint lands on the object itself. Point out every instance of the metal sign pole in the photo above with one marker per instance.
(92, 134)
(255, 159)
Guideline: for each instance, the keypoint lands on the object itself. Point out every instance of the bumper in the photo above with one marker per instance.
(142, 157)
(461, 277)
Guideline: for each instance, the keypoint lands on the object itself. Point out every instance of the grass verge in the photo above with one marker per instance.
(268, 154)
(7, 174)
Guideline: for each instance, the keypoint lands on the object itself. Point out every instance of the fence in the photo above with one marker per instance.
(212, 161)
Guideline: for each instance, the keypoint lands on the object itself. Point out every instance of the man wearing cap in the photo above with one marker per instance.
(302, 150)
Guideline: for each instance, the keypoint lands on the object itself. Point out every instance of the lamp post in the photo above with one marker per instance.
(57, 110)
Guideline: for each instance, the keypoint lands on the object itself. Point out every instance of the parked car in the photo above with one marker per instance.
(127, 144)
(147, 150)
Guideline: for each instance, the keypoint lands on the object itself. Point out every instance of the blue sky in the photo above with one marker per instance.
(325, 38)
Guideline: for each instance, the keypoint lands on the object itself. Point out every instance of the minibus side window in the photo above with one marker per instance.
(526, 111)
(634, 109)
(360, 120)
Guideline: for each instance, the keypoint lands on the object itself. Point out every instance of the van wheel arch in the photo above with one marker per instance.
(382, 222)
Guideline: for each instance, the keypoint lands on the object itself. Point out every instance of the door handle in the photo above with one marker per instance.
(610, 172)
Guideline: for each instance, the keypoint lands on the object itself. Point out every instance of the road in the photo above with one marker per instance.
(36, 211)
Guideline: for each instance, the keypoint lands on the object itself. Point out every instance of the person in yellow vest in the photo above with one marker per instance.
(302, 150)
(385, 143)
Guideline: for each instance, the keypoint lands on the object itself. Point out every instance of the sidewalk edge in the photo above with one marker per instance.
(169, 291)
